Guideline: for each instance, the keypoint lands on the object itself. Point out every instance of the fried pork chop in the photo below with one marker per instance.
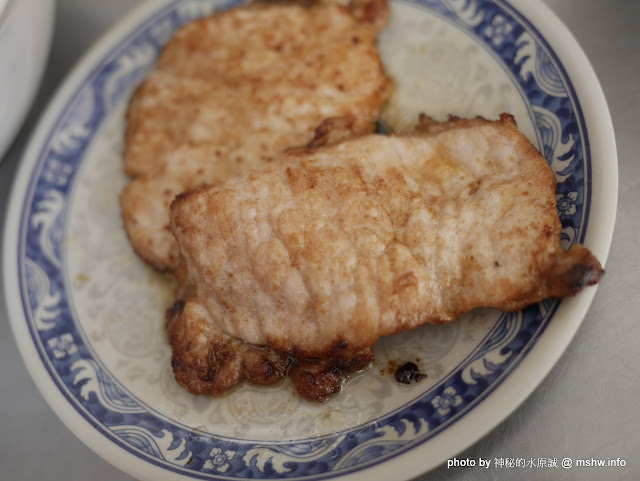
(231, 91)
(320, 254)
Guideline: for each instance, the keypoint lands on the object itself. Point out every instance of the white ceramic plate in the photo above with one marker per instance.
(26, 28)
(89, 316)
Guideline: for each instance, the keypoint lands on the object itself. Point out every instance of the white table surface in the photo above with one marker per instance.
(587, 407)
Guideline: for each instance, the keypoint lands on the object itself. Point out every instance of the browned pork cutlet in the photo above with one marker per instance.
(231, 91)
(329, 249)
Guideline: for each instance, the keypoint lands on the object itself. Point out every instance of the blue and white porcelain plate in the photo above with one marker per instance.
(88, 315)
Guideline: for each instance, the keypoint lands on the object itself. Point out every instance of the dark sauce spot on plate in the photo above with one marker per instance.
(409, 373)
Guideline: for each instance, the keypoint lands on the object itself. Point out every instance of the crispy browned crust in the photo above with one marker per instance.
(572, 271)
(575, 270)
(374, 12)
(429, 126)
(333, 130)
(207, 362)
(317, 381)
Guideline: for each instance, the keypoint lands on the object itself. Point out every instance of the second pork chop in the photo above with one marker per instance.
(231, 91)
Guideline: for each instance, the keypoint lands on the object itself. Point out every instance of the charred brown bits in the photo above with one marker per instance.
(409, 373)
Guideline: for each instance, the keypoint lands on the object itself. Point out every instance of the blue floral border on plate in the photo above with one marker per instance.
(91, 389)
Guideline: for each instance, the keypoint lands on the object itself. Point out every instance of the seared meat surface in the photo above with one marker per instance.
(331, 247)
(205, 361)
(231, 91)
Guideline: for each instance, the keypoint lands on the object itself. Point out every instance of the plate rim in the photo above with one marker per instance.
(483, 417)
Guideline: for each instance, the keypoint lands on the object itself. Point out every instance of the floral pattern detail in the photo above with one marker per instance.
(534, 63)
(163, 445)
(62, 346)
(465, 11)
(219, 460)
(498, 30)
(47, 220)
(559, 153)
(568, 236)
(57, 173)
(449, 398)
(97, 386)
(45, 298)
(567, 204)
(495, 352)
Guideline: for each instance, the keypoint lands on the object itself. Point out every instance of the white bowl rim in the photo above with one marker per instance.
(5, 9)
